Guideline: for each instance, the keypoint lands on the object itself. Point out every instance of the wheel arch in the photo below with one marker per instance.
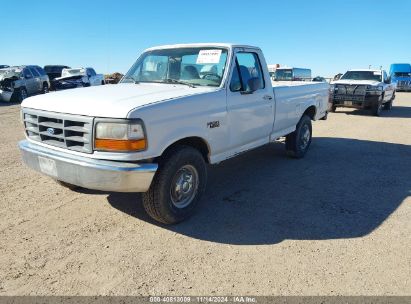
(195, 142)
(311, 112)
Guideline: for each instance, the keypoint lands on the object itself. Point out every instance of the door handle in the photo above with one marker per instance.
(267, 97)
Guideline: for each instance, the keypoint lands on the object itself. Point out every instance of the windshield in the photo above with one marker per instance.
(402, 74)
(363, 75)
(284, 75)
(194, 66)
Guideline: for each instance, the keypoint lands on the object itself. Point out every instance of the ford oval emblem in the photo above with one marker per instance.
(50, 131)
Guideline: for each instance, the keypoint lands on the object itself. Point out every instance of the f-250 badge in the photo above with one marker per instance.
(213, 124)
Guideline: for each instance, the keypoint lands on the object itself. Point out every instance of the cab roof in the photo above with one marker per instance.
(364, 70)
(188, 45)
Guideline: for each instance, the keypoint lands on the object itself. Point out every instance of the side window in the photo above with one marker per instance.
(34, 72)
(92, 72)
(27, 74)
(40, 71)
(247, 66)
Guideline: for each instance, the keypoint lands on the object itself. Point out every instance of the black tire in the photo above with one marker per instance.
(67, 185)
(159, 200)
(45, 88)
(19, 95)
(298, 142)
(325, 117)
(376, 110)
(333, 108)
(388, 105)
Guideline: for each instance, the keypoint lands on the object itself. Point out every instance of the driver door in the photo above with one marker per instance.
(250, 114)
(389, 90)
(30, 82)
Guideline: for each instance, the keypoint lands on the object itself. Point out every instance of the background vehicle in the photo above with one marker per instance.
(319, 79)
(19, 82)
(178, 108)
(113, 78)
(272, 68)
(400, 74)
(76, 78)
(371, 89)
(292, 74)
(337, 76)
(54, 71)
(2, 66)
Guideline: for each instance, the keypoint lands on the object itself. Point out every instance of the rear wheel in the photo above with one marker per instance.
(333, 108)
(298, 142)
(45, 88)
(177, 186)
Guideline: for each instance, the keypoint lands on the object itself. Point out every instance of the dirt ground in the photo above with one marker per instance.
(337, 222)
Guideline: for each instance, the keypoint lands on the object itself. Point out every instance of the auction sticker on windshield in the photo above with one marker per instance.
(208, 56)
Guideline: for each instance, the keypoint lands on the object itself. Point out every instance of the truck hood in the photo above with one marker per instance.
(356, 82)
(114, 101)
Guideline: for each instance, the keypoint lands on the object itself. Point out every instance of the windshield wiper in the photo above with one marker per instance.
(170, 80)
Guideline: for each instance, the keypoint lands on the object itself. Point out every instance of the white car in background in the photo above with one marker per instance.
(78, 77)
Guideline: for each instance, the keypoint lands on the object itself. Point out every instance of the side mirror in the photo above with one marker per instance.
(253, 85)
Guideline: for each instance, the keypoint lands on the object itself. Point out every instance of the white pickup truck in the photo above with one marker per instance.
(363, 89)
(77, 78)
(178, 108)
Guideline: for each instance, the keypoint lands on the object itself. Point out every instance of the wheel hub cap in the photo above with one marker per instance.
(305, 137)
(184, 186)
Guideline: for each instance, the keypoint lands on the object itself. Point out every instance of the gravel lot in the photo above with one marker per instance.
(336, 222)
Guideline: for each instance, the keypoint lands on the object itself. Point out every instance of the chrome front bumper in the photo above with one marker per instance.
(86, 172)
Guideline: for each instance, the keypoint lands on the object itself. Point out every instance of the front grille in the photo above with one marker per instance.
(349, 97)
(67, 131)
(403, 83)
(342, 89)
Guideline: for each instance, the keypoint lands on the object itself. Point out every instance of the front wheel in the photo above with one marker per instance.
(20, 95)
(177, 186)
(376, 110)
(298, 142)
(388, 105)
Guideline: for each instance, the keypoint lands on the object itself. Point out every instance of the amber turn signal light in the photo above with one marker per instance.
(120, 144)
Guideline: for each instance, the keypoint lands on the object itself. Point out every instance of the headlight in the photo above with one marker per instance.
(120, 136)
(375, 88)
